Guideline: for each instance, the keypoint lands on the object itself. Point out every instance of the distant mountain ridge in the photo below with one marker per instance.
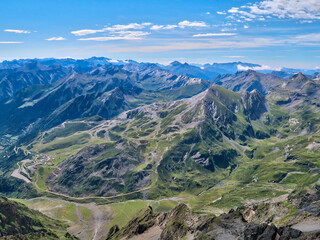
(205, 72)
(248, 81)
(30, 73)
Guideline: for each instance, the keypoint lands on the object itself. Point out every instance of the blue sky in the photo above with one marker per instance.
(274, 33)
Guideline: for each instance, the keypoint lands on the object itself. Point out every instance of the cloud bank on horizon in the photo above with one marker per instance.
(273, 32)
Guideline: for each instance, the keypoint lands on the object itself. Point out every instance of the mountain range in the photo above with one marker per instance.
(128, 150)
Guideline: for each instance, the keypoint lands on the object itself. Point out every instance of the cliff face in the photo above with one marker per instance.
(255, 104)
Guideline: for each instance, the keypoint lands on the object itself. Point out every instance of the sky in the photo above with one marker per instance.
(273, 33)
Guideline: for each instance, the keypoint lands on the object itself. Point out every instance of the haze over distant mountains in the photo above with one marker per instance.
(18, 74)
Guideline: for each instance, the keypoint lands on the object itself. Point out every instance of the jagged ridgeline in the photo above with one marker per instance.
(243, 223)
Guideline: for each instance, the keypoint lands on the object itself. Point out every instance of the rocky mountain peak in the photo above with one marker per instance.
(176, 63)
(297, 81)
(253, 103)
(299, 77)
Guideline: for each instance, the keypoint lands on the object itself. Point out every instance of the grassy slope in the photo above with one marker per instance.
(21, 222)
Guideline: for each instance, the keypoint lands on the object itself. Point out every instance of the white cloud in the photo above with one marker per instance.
(297, 9)
(170, 26)
(135, 26)
(245, 26)
(160, 27)
(208, 13)
(294, 9)
(118, 27)
(17, 31)
(84, 32)
(10, 42)
(121, 35)
(157, 27)
(228, 29)
(213, 34)
(233, 10)
(221, 13)
(56, 39)
(186, 23)
(306, 21)
(261, 68)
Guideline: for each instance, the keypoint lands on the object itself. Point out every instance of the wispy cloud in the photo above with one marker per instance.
(85, 32)
(210, 44)
(121, 35)
(186, 23)
(306, 21)
(56, 39)
(306, 39)
(172, 26)
(197, 45)
(163, 27)
(261, 68)
(221, 13)
(157, 27)
(118, 27)
(244, 15)
(135, 26)
(228, 29)
(9, 42)
(17, 31)
(214, 34)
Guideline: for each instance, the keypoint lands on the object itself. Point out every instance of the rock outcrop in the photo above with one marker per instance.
(180, 223)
